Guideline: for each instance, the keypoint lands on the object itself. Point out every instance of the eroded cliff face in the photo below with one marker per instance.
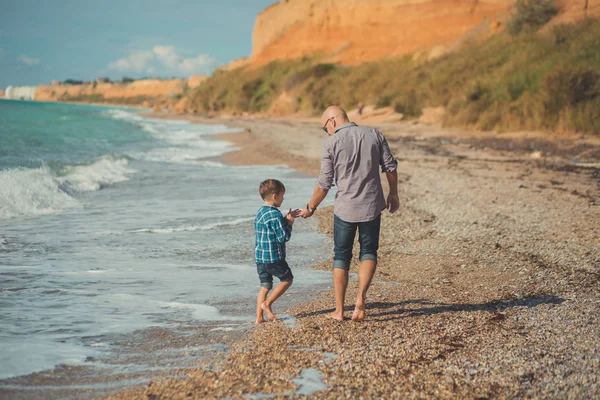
(355, 31)
(147, 88)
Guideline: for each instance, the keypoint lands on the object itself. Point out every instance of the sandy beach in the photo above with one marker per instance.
(487, 284)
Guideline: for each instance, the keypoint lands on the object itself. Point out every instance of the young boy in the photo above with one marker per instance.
(272, 231)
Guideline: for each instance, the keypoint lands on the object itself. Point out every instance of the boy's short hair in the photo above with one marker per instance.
(269, 187)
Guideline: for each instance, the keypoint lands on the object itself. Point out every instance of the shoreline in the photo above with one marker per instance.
(486, 286)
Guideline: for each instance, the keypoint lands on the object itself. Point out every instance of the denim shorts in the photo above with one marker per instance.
(343, 240)
(279, 269)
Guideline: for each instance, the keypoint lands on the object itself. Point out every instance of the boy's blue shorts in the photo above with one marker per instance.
(279, 269)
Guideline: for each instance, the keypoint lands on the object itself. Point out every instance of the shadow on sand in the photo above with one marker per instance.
(383, 311)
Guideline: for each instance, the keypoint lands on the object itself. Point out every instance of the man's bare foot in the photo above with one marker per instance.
(336, 316)
(259, 321)
(359, 313)
(267, 308)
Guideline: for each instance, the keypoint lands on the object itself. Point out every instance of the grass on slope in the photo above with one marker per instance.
(531, 81)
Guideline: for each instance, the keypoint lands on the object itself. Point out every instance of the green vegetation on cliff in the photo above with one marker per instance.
(546, 81)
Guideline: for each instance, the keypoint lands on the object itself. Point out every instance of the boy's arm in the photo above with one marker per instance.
(283, 230)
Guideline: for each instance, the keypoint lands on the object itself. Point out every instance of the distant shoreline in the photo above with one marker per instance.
(79, 104)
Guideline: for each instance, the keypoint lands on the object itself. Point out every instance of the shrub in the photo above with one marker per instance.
(569, 85)
(384, 101)
(531, 14)
(407, 103)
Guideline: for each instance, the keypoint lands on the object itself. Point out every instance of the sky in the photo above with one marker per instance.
(46, 40)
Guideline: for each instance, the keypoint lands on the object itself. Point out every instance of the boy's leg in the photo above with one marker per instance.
(277, 292)
(281, 270)
(262, 296)
(266, 283)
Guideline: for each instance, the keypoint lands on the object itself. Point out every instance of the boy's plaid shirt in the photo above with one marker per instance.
(272, 231)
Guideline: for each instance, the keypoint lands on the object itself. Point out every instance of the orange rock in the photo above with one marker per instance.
(355, 31)
(181, 105)
(150, 88)
(195, 80)
(351, 32)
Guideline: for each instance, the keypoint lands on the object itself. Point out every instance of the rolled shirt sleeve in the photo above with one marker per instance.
(325, 179)
(387, 161)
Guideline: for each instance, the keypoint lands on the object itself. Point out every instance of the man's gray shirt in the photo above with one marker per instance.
(351, 158)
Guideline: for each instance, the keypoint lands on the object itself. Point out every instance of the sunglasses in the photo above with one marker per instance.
(325, 126)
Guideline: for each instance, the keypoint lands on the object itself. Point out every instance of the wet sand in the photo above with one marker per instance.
(487, 285)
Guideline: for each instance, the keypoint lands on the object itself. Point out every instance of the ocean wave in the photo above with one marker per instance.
(200, 312)
(38, 191)
(28, 192)
(179, 141)
(123, 115)
(178, 155)
(95, 176)
(193, 228)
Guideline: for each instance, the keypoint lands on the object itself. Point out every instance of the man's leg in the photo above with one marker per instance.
(340, 282)
(277, 292)
(366, 271)
(368, 236)
(343, 240)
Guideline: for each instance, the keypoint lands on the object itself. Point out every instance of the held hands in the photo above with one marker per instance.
(306, 213)
(393, 203)
(292, 215)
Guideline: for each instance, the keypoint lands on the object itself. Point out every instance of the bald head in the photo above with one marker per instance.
(336, 112)
(332, 118)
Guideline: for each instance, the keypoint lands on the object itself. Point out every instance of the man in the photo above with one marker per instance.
(351, 157)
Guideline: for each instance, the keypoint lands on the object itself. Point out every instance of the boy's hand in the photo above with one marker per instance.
(292, 215)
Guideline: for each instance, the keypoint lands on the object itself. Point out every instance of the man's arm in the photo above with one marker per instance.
(324, 183)
(389, 165)
(393, 202)
(317, 197)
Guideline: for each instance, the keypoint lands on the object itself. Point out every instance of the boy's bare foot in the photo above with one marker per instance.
(359, 313)
(336, 316)
(267, 308)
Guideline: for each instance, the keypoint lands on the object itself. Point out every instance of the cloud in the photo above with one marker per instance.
(162, 59)
(29, 61)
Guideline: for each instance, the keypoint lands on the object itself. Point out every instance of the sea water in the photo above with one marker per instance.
(111, 222)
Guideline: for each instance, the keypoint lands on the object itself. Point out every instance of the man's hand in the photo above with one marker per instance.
(292, 215)
(393, 203)
(305, 213)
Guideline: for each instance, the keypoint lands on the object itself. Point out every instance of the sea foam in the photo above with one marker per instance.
(89, 178)
(32, 192)
(193, 228)
(38, 191)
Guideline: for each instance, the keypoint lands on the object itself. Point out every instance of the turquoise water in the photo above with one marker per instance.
(58, 135)
(111, 223)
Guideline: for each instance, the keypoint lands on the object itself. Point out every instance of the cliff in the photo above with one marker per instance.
(134, 92)
(355, 31)
(351, 32)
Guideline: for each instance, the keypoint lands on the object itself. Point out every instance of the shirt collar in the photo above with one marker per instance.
(346, 125)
